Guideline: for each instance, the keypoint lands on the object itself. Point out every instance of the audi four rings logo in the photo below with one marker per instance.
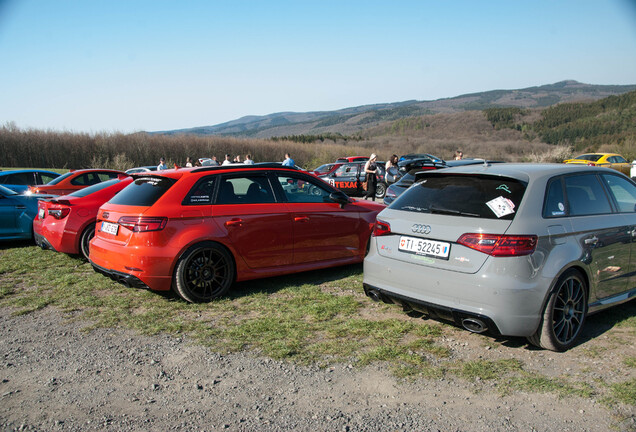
(421, 229)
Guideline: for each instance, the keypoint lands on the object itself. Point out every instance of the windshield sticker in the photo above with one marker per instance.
(504, 188)
(501, 206)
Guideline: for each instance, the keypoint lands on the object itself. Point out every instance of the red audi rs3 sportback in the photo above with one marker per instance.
(67, 223)
(199, 230)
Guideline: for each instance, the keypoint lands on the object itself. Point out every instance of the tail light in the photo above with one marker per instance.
(390, 193)
(591, 164)
(381, 228)
(500, 245)
(59, 212)
(143, 224)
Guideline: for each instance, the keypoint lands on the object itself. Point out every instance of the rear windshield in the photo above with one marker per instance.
(462, 195)
(89, 190)
(144, 191)
(60, 178)
(590, 157)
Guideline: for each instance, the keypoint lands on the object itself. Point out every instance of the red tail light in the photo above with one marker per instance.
(591, 164)
(59, 212)
(500, 245)
(381, 228)
(143, 224)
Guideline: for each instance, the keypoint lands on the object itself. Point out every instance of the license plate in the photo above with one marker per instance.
(41, 213)
(426, 247)
(110, 228)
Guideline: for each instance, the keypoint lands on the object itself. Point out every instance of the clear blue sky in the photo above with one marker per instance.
(113, 65)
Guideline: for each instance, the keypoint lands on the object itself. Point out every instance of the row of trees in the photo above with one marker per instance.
(48, 149)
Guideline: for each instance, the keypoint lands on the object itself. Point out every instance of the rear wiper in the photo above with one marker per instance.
(439, 210)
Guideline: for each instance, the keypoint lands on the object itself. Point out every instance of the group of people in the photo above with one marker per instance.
(288, 161)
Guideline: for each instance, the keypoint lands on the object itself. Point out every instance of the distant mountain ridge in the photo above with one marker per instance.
(349, 121)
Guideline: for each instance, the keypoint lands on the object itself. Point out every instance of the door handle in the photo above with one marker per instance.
(591, 241)
(234, 222)
(20, 207)
(301, 219)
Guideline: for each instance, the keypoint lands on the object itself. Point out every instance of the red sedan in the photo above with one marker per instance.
(198, 231)
(67, 223)
(75, 180)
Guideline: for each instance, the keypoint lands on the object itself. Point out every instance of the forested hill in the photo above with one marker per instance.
(351, 121)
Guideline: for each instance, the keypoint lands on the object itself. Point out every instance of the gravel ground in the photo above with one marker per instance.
(56, 377)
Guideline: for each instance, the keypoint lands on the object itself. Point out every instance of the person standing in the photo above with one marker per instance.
(370, 169)
(162, 164)
(227, 160)
(248, 160)
(188, 163)
(288, 160)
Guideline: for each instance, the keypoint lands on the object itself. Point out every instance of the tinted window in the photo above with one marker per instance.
(590, 157)
(463, 195)
(23, 178)
(46, 177)
(623, 191)
(60, 178)
(144, 191)
(347, 170)
(554, 199)
(245, 190)
(202, 192)
(303, 191)
(89, 190)
(85, 180)
(586, 195)
(619, 159)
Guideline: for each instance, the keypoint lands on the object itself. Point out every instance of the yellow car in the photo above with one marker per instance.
(608, 160)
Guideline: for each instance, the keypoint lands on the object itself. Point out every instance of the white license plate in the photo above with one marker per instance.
(41, 213)
(110, 228)
(421, 246)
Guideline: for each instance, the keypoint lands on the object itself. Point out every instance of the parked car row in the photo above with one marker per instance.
(507, 249)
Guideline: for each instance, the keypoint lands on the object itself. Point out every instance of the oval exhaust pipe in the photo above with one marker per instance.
(374, 295)
(474, 325)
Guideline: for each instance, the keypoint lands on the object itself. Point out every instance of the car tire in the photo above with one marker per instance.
(380, 190)
(564, 313)
(85, 240)
(203, 273)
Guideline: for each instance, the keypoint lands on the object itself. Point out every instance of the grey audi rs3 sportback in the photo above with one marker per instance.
(509, 249)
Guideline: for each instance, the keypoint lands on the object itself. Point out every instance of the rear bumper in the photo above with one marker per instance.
(41, 241)
(435, 311)
(151, 266)
(123, 278)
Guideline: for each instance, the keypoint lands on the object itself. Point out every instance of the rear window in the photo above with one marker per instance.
(144, 191)
(89, 190)
(462, 195)
(60, 178)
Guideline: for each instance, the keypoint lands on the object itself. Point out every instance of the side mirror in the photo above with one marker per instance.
(340, 198)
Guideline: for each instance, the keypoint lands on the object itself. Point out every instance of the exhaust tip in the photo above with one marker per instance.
(374, 295)
(474, 325)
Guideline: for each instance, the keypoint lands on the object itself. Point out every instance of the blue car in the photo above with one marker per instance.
(17, 213)
(20, 180)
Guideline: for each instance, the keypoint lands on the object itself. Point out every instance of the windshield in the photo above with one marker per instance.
(487, 197)
(60, 178)
(91, 189)
(590, 157)
(144, 191)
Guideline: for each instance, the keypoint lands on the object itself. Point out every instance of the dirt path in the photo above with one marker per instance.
(56, 377)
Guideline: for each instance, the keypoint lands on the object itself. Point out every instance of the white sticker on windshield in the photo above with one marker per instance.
(501, 206)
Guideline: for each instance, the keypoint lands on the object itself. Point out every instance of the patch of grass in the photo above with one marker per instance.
(630, 361)
(488, 369)
(624, 392)
(530, 383)
(314, 317)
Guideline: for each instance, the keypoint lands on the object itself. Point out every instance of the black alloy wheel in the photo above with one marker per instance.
(204, 272)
